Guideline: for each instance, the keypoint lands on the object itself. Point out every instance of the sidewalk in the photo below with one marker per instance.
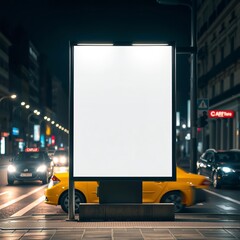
(58, 227)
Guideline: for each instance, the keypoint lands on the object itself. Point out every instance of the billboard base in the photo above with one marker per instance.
(126, 212)
(120, 191)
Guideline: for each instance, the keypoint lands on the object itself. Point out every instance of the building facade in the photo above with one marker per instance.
(218, 29)
(30, 120)
(4, 91)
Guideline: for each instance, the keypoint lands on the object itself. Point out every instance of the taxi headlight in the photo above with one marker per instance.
(11, 168)
(227, 170)
(42, 168)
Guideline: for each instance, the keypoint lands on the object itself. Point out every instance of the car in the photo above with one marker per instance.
(30, 165)
(60, 158)
(185, 192)
(51, 152)
(221, 166)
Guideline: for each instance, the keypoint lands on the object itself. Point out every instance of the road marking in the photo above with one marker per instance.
(28, 207)
(224, 197)
(4, 193)
(227, 208)
(21, 197)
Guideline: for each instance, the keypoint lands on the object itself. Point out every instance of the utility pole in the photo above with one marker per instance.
(193, 78)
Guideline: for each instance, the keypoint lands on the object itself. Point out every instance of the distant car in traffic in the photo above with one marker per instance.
(30, 165)
(51, 152)
(60, 158)
(184, 192)
(221, 166)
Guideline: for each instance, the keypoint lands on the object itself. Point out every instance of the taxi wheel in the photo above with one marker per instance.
(176, 198)
(79, 198)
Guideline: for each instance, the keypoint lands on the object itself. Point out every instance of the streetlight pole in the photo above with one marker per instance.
(193, 79)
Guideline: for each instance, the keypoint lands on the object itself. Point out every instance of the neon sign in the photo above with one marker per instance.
(221, 114)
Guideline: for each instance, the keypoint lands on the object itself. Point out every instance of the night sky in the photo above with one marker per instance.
(51, 24)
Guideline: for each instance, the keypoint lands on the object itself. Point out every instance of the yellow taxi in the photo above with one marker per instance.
(184, 192)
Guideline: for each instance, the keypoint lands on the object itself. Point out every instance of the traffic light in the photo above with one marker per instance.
(203, 120)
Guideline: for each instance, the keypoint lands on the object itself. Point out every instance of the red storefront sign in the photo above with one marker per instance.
(221, 114)
(4, 134)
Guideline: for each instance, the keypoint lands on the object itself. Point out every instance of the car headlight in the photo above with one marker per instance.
(42, 168)
(11, 168)
(55, 160)
(227, 170)
(63, 159)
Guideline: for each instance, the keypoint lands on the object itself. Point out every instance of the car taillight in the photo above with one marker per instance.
(53, 181)
(206, 182)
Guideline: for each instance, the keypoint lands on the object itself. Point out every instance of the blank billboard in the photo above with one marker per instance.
(122, 112)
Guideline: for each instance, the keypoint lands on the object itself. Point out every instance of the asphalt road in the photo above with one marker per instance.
(28, 199)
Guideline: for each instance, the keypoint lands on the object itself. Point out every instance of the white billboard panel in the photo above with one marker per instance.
(123, 112)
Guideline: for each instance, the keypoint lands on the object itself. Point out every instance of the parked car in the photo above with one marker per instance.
(221, 166)
(30, 165)
(184, 192)
(60, 158)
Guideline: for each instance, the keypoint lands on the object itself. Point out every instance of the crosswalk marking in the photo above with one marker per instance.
(227, 208)
(4, 193)
(21, 197)
(224, 197)
(28, 207)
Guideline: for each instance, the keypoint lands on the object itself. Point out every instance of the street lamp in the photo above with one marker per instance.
(13, 96)
(193, 81)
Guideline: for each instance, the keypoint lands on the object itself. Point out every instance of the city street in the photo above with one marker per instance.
(28, 199)
(128, 109)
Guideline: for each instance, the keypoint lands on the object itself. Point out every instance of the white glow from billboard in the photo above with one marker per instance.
(122, 114)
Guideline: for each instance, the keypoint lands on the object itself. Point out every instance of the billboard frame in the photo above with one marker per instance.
(71, 117)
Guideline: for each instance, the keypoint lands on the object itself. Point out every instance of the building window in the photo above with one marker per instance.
(213, 59)
(213, 37)
(205, 92)
(221, 86)
(222, 52)
(233, 16)
(232, 80)
(213, 91)
(222, 28)
(232, 43)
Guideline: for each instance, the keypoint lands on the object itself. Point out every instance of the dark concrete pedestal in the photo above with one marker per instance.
(119, 191)
(126, 212)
